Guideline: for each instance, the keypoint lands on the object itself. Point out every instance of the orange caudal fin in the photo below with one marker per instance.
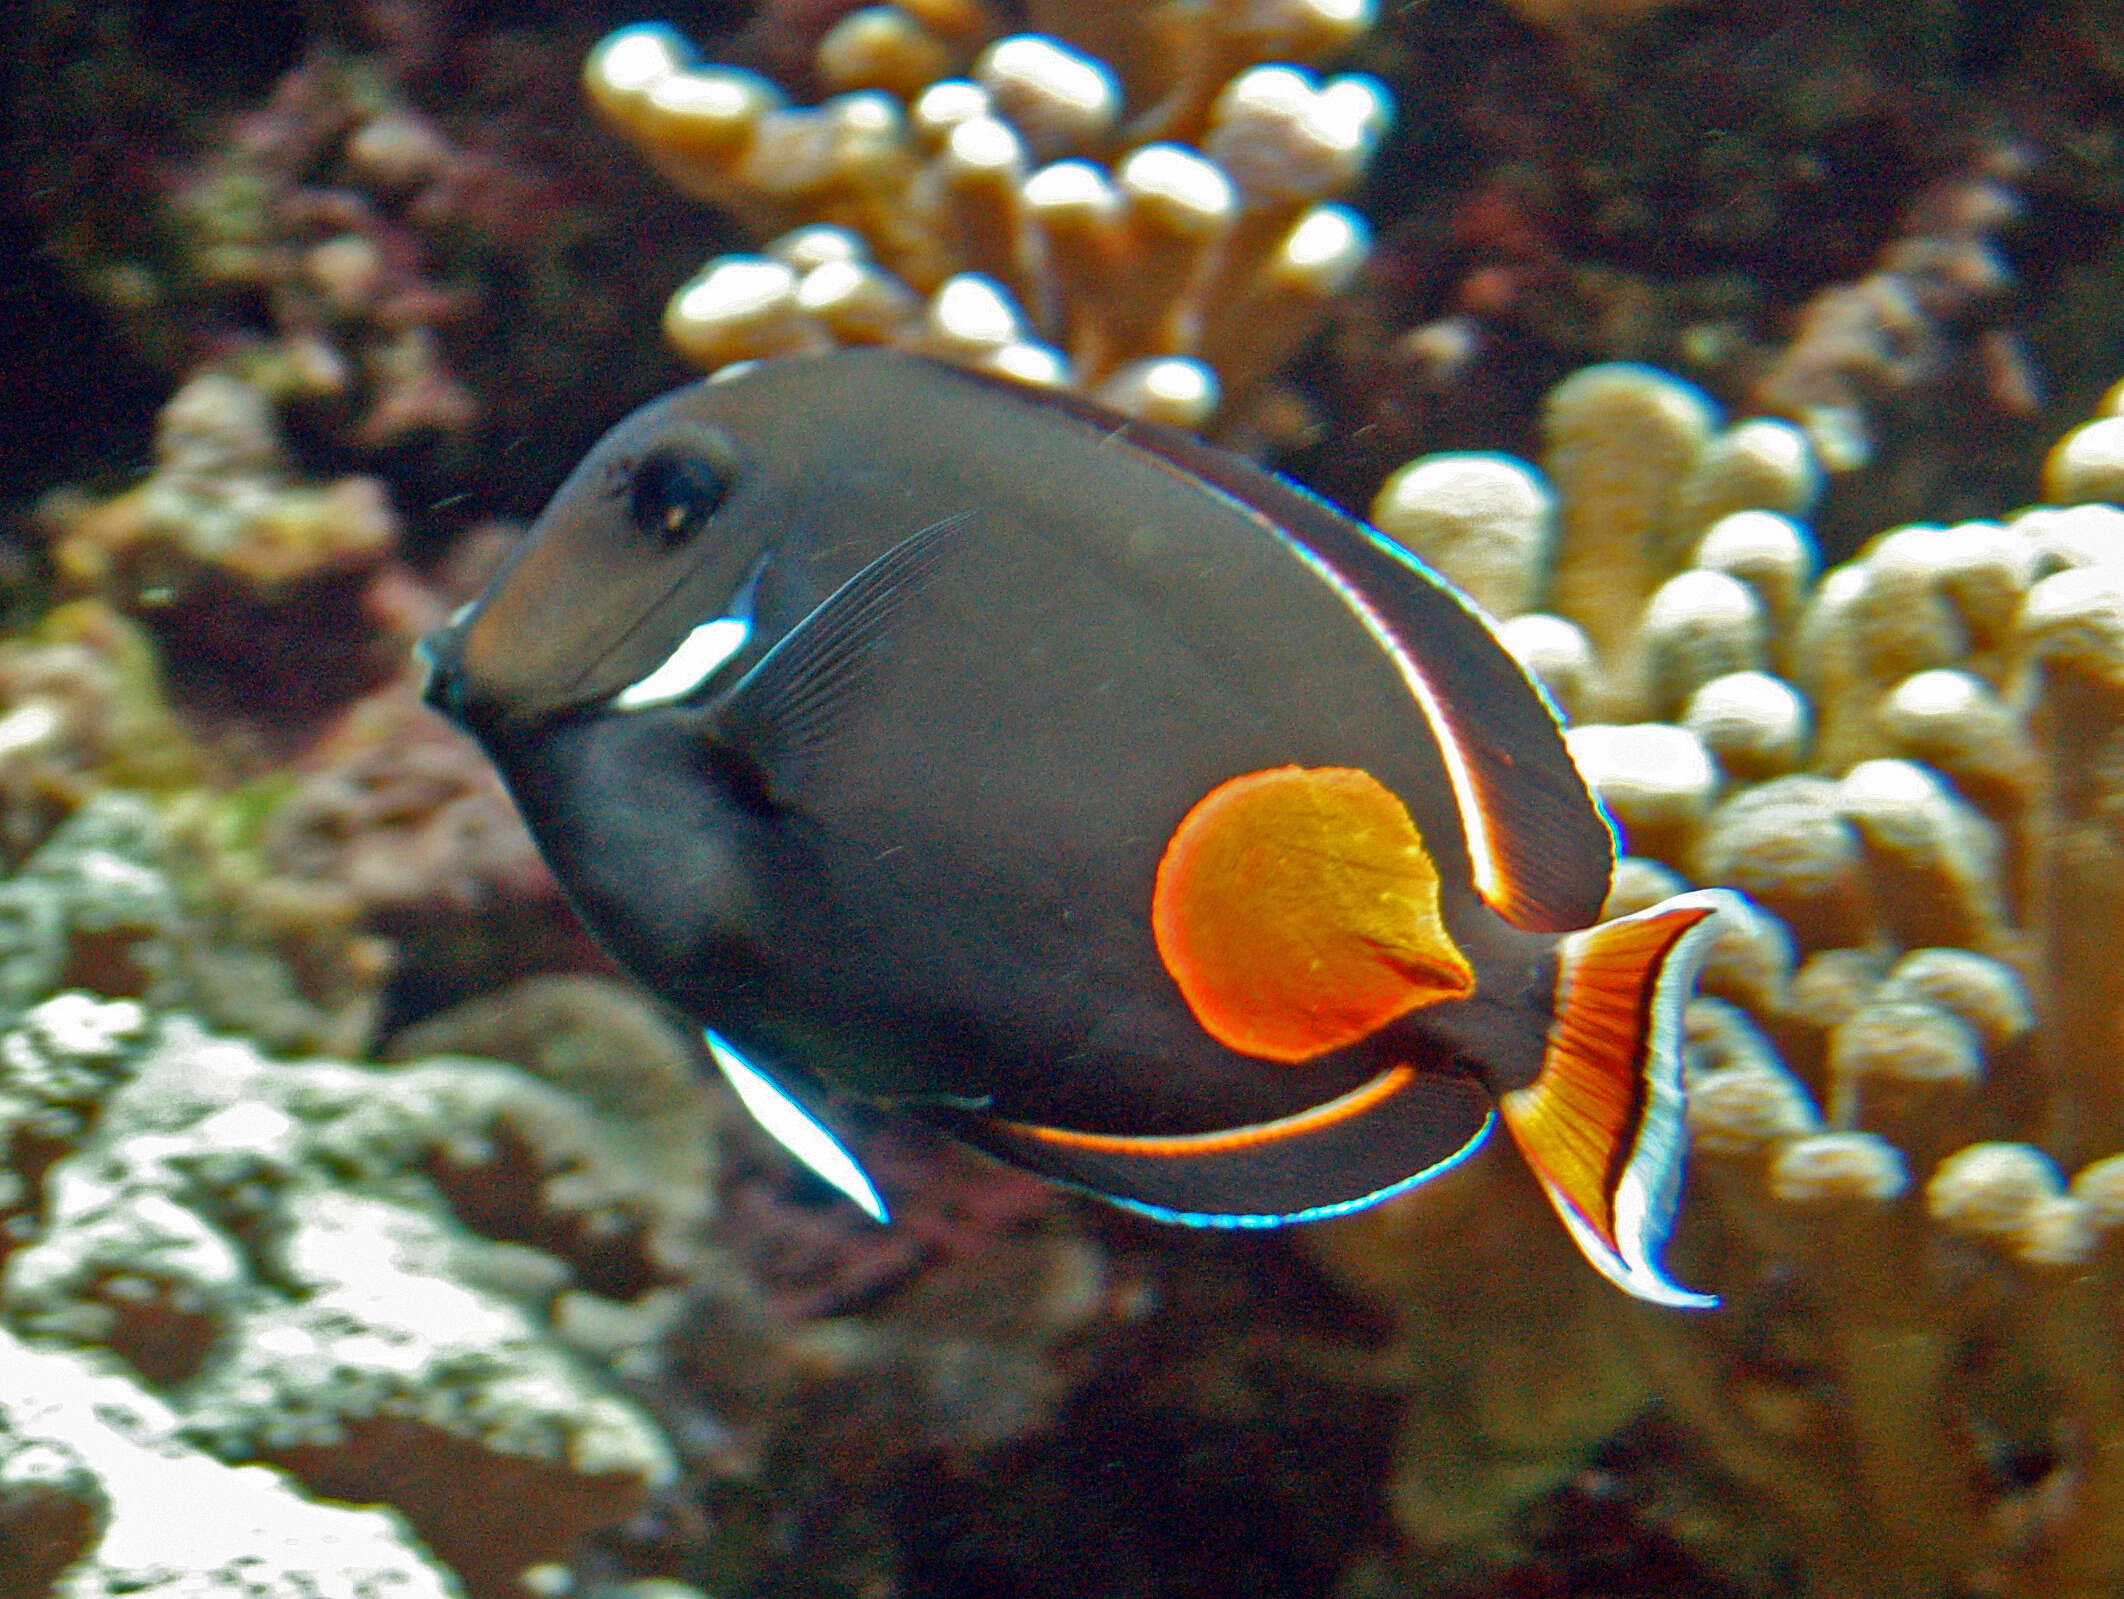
(1602, 1125)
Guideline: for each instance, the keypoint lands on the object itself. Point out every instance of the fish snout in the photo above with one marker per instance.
(442, 676)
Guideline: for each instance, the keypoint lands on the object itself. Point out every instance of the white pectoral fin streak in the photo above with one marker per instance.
(796, 1129)
(1602, 1125)
(804, 692)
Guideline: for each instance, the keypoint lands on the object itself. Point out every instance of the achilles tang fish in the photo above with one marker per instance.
(1082, 791)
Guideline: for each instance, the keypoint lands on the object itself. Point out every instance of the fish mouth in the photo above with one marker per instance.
(439, 654)
(442, 683)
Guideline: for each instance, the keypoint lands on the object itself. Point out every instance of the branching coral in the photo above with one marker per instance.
(391, 1282)
(1911, 766)
(1151, 230)
(1839, 215)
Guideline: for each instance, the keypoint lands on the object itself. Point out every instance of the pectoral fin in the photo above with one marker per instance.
(796, 1128)
(785, 717)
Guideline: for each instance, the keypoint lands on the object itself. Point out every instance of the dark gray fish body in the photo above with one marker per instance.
(997, 648)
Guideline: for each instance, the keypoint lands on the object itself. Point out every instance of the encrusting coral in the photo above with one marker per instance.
(81, 708)
(1910, 763)
(363, 1276)
(235, 565)
(1152, 223)
(333, 832)
(100, 1496)
(492, 1298)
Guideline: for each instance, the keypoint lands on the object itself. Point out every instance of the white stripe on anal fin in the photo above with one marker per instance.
(796, 1129)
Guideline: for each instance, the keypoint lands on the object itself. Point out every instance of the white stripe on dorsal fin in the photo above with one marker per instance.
(796, 1129)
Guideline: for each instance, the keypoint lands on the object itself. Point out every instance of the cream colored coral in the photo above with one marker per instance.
(1907, 1075)
(1105, 240)
(1485, 521)
(2088, 463)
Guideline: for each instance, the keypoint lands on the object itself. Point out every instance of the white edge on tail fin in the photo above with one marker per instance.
(1649, 1189)
(796, 1129)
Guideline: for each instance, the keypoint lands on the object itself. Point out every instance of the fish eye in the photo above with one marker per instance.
(673, 492)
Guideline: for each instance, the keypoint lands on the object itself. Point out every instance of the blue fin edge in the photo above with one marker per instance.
(1227, 1221)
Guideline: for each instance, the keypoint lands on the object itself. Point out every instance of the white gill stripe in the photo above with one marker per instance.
(698, 655)
(1482, 852)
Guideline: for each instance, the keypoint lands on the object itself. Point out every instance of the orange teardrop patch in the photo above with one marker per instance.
(1298, 911)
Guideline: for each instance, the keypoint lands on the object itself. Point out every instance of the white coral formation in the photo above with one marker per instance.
(100, 1496)
(377, 1279)
(1160, 231)
(263, 1244)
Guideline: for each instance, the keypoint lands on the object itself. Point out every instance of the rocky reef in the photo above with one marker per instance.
(362, 1233)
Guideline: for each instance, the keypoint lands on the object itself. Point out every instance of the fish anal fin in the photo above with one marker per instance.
(805, 691)
(1601, 1126)
(1297, 911)
(1229, 1140)
(1398, 1129)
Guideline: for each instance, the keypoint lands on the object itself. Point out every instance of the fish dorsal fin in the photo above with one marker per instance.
(795, 1128)
(1541, 849)
(789, 709)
